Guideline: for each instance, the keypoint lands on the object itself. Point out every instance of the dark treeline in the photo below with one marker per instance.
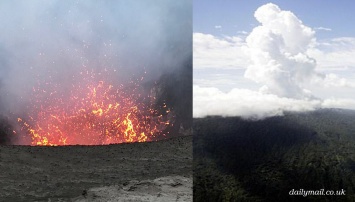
(245, 160)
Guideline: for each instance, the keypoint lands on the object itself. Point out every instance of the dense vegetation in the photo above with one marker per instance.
(263, 160)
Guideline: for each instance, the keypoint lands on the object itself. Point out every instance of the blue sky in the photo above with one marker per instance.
(234, 16)
(298, 56)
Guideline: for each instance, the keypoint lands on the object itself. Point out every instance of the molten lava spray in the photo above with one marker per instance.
(93, 112)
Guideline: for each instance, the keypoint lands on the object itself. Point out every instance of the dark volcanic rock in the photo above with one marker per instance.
(62, 173)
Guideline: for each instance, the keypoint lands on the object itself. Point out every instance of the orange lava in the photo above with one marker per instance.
(93, 112)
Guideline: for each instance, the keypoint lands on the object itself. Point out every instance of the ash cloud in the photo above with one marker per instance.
(57, 39)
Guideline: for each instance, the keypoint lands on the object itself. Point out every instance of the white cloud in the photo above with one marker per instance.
(229, 52)
(242, 32)
(332, 80)
(323, 29)
(218, 27)
(213, 52)
(339, 103)
(334, 53)
(254, 104)
(283, 56)
(278, 52)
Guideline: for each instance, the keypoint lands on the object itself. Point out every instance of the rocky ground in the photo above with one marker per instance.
(146, 171)
(170, 188)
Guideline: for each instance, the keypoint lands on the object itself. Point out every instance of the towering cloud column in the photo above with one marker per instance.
(277, 50)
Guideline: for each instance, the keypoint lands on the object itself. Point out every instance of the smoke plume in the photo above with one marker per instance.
(55, 41)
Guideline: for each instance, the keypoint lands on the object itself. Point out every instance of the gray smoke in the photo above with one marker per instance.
(55, 40)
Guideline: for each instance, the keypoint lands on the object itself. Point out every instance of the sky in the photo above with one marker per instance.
(260, 58)
(229, 17)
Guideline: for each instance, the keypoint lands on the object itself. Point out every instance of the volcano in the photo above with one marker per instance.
(92, 112)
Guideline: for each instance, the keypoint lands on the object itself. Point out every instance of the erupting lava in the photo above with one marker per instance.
(93, 112)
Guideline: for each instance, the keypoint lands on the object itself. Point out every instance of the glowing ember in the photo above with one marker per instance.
(93, 112)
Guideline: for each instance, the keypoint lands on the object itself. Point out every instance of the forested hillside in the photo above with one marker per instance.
(248, 160)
